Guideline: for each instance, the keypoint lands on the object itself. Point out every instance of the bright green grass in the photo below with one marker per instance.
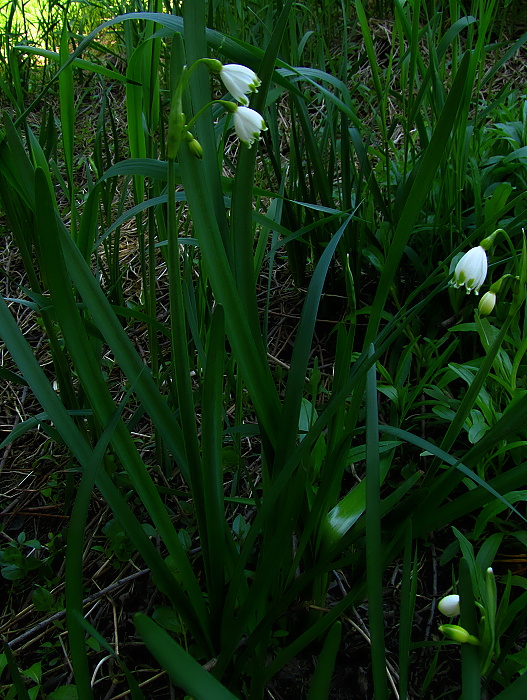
(39, 22)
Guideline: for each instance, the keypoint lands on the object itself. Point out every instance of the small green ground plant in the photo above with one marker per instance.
(251, 265)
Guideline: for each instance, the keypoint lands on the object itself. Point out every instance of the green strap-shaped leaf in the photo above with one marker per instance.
(183, 670)
(374, 563)
(90, 375)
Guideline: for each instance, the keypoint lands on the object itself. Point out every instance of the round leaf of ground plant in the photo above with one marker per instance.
(168, 619)
(42, 599)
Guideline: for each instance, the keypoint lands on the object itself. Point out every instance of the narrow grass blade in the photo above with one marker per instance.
(195, 47)
(67, 107)
(408, 598)
(517, 689)
(247, 344)
(446, 482)
(18, 681)
(108, 323)
(89, 66)
(242, 195)
(74, 559)
(302, 349)
(49, 400)
(83, 357)
(180, 356)
(473, 500)
(248, 349)
(471, 394)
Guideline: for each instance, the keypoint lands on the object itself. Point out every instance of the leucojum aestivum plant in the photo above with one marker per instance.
(484, 622)
(299, 482)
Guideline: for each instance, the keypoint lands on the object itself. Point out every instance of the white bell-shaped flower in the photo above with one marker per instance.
(248, 125)
(239, 81)
(471, 270)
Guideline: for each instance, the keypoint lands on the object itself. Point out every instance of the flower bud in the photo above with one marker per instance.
(449, 605)
(195, 148)
(458, 634)
(487, 303)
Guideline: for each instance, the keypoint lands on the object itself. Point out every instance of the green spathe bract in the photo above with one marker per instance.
(459, 634)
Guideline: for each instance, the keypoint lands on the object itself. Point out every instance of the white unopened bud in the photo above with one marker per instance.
(449, 605)
(487, 303)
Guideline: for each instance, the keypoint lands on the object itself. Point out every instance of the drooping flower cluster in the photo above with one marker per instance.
(241, 81)
(471, 272)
